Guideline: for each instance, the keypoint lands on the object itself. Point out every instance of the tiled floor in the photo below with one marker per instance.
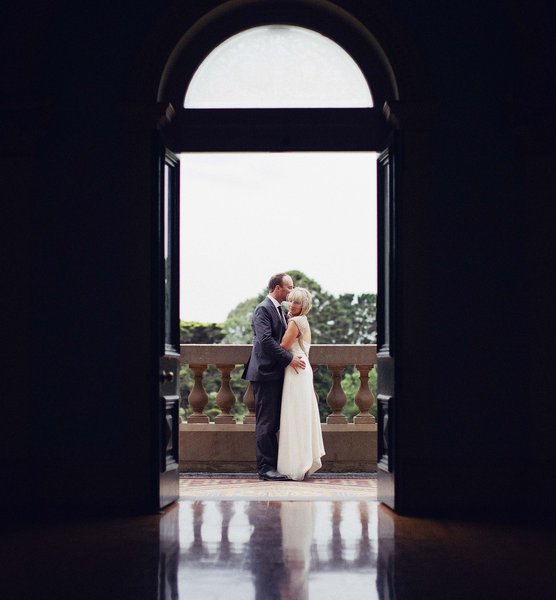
(251, 488)
(219, 543)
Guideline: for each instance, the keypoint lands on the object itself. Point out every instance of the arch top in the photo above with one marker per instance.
(278, 66)
(347, 45)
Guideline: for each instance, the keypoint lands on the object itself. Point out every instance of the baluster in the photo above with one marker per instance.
(198, 397)
(225, 398)
(336, 398)
(364, 397)
(249, 401)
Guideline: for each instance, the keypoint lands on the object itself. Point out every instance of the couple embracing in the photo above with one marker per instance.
(282, 382)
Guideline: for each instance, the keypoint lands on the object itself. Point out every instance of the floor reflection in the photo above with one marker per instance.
(298, 525)
(276, 550)
(258, 550)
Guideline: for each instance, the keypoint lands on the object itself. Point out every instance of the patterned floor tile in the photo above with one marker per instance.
(236, 488)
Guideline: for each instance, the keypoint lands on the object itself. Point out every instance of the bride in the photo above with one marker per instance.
(300, 447)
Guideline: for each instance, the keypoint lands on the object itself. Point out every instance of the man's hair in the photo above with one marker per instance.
(275, 280)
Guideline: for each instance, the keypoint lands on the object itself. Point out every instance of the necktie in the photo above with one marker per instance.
(282, 318)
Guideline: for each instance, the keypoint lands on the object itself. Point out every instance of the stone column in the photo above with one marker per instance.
(225, 397)
(198, 397)
(249, 401)
(364, 397)
(336, 398)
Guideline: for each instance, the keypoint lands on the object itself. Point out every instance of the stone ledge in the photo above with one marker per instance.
(237, 354)
(211, 448)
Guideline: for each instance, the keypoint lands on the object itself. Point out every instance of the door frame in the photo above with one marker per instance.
(372, 37)
(165, 326)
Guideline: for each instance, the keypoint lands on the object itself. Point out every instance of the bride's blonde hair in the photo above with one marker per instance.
(299, 294)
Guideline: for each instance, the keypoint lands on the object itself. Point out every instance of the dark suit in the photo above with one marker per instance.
(265, 370)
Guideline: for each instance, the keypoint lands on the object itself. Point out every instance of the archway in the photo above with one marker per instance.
(288, 129)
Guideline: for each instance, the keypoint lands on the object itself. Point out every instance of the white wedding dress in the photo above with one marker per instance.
(300, 445)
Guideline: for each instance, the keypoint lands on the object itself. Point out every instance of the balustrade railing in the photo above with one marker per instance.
(225, 357)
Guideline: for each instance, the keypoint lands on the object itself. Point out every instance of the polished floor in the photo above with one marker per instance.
(337, 546)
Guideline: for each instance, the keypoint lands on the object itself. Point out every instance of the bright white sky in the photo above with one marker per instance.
(245, 217)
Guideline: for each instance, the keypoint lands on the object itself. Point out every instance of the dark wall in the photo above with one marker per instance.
(475, 396)
(473, 347)
(80, 429)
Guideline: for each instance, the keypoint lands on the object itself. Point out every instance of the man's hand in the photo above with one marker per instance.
(297, 363)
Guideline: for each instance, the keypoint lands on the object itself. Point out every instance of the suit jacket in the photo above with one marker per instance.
(268, 359)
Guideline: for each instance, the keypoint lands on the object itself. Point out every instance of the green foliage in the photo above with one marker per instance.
(356, 318)
(237, 326)
(201, 333)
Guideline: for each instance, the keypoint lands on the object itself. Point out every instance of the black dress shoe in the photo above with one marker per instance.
(273, 475)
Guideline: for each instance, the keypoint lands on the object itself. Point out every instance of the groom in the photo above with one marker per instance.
(265, 370)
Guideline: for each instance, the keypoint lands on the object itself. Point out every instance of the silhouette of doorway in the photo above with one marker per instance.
(288, 127)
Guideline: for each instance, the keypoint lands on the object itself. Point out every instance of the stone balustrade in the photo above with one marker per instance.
(229, 446)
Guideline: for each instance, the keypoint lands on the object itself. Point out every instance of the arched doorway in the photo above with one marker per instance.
(279, 129)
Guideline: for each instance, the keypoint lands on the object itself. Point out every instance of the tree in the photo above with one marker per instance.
(192, 332)
(356, 321)
(237, 326)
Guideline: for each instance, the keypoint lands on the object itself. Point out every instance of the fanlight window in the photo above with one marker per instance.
(278, 66)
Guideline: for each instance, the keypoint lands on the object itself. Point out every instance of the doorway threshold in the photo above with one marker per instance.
(247, 486)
